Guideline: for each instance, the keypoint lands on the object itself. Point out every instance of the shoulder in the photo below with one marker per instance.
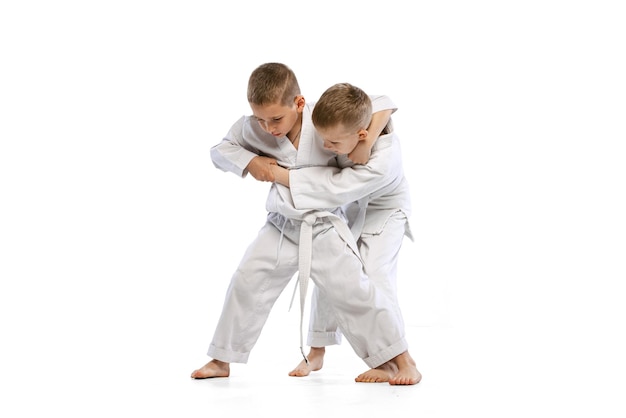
(247, 128)
(250, 125)
(382, 102)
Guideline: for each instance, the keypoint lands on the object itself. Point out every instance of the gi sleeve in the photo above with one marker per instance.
(233, 154)
(326, 187)
(381, 102)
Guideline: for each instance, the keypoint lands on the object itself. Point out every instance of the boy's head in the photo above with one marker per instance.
(342, 116)
(275, 99)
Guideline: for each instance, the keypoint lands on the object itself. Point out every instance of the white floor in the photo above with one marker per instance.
(82, 337)
(135, 372)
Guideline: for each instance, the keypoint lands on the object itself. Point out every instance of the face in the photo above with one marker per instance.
(276, 119)
(341, 140)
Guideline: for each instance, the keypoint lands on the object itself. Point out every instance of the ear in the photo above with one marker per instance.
(362, 134)
(299, 102)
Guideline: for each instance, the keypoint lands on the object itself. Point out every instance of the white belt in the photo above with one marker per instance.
(305, 255)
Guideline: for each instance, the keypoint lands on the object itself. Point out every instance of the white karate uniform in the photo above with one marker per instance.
(376, 198)
(305, 240)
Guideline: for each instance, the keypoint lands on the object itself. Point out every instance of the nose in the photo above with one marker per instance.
(269, 126)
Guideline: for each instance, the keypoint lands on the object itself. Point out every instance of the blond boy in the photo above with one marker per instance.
(376, 197)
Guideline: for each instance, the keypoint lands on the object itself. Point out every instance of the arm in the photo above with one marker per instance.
(233, 154)
(239, 154)
(382, 109)
(261, 168)
(324, 187)
(280, 174)
(361, 153)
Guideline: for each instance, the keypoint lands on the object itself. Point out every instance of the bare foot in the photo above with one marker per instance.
(213, 368)
(316, 361)
(407, 371)
(380, 374)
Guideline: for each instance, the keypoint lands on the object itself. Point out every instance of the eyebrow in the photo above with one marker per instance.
(271, 117)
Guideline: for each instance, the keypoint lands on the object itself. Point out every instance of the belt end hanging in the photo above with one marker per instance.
(306, 360)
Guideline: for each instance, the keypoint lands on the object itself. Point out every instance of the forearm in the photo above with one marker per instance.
(320, 187)
(281, 175)
(361, 154)
(379, 121)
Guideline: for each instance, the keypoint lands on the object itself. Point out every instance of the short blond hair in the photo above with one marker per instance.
(343, 104)
(272, 83)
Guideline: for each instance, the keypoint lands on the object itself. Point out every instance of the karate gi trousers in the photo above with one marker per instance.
(379, 246)
(365, 315)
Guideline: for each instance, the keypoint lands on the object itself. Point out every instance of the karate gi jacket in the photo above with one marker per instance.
(246, 140)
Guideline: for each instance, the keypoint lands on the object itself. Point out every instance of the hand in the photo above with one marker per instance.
(261, 168)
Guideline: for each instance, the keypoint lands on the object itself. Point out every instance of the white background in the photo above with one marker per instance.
(118, 236)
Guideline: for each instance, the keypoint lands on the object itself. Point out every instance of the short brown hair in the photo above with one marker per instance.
(343, 104)
(272, 83)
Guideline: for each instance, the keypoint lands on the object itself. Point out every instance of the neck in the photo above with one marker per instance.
(295, 137)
